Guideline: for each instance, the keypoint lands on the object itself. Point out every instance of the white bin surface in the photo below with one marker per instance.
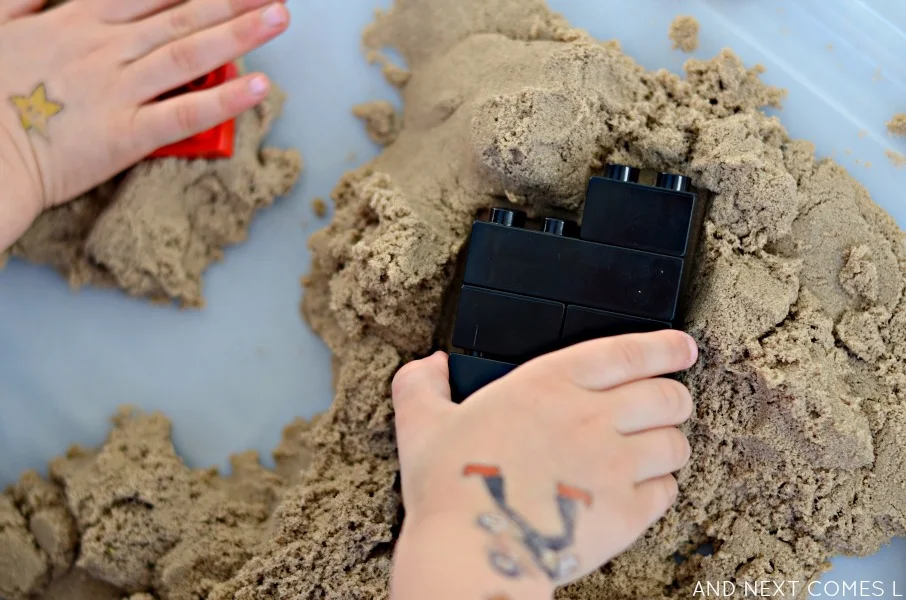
(231, 376)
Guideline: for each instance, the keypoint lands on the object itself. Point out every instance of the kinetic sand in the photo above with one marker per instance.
(799, 312)
(684, 33)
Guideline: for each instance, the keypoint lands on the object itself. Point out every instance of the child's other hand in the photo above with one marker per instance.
(77, 84)
(583, 437)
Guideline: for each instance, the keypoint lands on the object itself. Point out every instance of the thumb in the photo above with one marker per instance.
(421, 394)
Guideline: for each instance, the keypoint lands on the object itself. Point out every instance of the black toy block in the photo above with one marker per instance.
(638, 216)
(573, 271)
(468, 374)
(507, 326)
(584, 324)
(531, 288)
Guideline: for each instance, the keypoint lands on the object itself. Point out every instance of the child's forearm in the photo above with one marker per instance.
(448, 559)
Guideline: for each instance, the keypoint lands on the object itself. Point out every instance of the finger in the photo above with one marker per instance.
(658, 452)
(162, 123)
(421, 394)
(420, 381)
(653, 498)
(173, 65)
(650, 404)
(185, 20)
(421, 391)
(608, 362)
(13, 9)
(123, 11)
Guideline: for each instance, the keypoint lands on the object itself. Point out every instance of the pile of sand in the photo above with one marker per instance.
(140, 519)
(799, 312)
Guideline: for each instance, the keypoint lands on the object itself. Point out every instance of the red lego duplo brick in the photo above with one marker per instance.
(213, 143)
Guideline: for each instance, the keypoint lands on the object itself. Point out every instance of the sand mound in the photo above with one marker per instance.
(799, 311)
(799, 304)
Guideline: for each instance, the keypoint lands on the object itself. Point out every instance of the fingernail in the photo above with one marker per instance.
(693, 349)
(258, 86)
(275, 15)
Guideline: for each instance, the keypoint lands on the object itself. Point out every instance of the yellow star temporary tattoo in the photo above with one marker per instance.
(36, 110)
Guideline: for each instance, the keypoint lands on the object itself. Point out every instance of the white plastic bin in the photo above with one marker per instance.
(233, 375)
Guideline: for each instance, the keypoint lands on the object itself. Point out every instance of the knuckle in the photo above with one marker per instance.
(686, 405)
(623, 469)
(404, 376)
(630, 355)
(676, 402)
(660, 494)
(545, 364)
(666, 397)
(669, 490)
(679, 450)
(544, 372)
(182, 22)
(541, 384)
(244, 31)
(185, 56)
(186, 117)
(133, 47)
(230, 100)
(131, 139)
(223, 104)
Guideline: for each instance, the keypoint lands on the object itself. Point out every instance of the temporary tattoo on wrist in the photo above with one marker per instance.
(514, 536)
(35, 110)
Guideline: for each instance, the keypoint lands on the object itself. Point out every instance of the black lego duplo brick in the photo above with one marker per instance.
(583, 324)
(468, 374)
(530, 289)
(507, 325)
(638, 216)
(573, 271)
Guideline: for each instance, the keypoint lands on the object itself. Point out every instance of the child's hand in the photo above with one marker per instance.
(542, 476)
(77, 84)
